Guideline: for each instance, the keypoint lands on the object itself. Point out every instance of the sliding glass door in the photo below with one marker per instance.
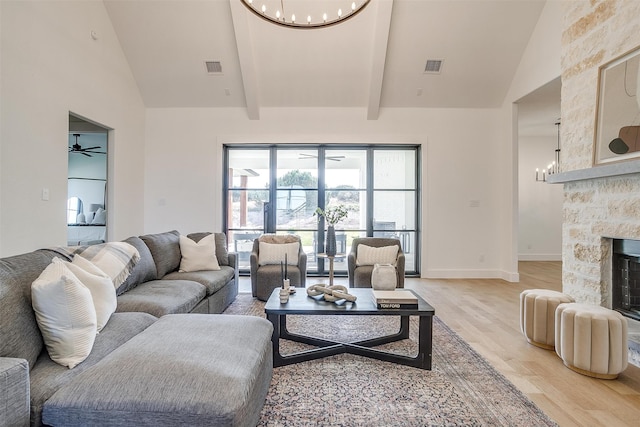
(277, 188)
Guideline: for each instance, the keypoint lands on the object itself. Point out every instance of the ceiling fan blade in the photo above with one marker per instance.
(91, 148)
(85, 154)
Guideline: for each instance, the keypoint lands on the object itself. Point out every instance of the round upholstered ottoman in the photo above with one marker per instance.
(592, 340)
(537, 315)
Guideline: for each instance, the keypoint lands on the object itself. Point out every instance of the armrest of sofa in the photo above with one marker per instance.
(400, 268)
(14, 399)
(253, 269)
(302, 265)
(351, 266)
(233, 262)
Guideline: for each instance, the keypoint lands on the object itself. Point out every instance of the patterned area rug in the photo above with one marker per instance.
(462, 389)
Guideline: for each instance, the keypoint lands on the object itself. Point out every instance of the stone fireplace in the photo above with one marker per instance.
(601, 203)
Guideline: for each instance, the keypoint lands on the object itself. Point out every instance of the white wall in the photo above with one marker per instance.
(183, 170)
(540, 204)
(51, 66)
(539, 65)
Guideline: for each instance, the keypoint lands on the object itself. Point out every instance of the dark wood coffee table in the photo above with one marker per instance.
(300, 304)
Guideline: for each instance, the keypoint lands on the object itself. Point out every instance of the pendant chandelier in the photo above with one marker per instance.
(306, 14)
(553, 167)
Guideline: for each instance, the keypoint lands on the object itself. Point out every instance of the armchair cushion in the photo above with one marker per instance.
(275, 253)
(369, 255)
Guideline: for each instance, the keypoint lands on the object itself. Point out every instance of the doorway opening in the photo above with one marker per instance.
(87, 177)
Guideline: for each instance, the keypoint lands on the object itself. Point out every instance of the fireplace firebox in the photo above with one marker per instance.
(626, 277)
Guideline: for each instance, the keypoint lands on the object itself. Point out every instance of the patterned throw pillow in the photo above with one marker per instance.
(369, 255)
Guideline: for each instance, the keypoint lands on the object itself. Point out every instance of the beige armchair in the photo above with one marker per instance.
(360, 275)
(265, 267)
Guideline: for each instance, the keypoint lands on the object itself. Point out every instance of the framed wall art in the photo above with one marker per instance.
(617, 130)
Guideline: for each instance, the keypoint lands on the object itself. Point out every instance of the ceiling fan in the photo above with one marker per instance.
(311, 156)
(77, 148)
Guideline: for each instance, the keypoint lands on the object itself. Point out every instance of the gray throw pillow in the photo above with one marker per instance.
(221, 245)
(145, 269)
(165, 249)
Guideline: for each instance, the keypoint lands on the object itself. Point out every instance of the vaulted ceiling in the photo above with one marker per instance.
(375, 60)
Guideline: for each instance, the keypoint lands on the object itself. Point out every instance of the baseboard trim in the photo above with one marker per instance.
(463, 274)
(539, 257)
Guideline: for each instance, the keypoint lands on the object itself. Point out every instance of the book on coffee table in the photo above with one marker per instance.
(395, 299)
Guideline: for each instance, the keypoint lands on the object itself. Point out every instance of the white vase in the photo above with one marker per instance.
(384, 277)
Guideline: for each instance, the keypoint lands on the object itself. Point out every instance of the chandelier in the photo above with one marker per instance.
(305, 14)
(553, 167)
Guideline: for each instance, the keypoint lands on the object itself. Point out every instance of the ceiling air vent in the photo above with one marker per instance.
(433, 66)
(213, 67)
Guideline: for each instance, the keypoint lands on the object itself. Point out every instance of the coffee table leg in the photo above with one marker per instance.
(275, 338)
(425, 341)
(404, 327)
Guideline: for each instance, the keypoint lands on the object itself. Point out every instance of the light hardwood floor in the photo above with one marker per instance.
(485, 312)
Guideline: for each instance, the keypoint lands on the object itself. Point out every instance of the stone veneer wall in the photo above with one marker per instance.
(595, 32)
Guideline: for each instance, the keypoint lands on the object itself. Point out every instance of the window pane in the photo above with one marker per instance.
(346, 169)
(241, 242)
(297, 169)
(394, 169)
(394, 210)
(247, 208)
(295, 209)
(248, 168)
(355, 201)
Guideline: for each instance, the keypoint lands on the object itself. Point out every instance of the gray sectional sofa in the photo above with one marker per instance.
(162, 359)
(157, 287)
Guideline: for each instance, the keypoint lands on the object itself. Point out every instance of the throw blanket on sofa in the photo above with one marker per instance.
(116, 259)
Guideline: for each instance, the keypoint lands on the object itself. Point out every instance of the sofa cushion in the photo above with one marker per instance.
(222, 253)
(198, 256)
(187, 369)
(144, 270)
(160, 297)
(65, 313)
(165, 250)
(47, 376)
(212, 280)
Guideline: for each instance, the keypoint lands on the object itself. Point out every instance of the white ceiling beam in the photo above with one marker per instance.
(379, 56)
(247, 63)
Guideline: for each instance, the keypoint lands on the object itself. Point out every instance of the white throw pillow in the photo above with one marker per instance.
(100, 217)
(65, 314)
(198, 256)
(274, 253)
(368, 255)
(103, 293)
